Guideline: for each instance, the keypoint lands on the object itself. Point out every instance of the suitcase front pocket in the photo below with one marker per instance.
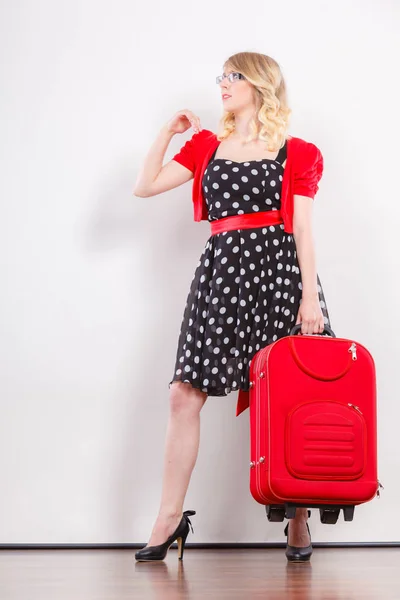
(326, 440)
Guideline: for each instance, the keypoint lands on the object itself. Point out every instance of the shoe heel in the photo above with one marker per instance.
(180, 534)
(181, 546)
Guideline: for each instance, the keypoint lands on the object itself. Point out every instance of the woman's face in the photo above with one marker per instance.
(237, 94)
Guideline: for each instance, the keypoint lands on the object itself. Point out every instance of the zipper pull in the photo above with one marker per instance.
(377, 491)
(353, 350)
(355, 407)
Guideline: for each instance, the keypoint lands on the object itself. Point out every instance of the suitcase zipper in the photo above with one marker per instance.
(355, 407)
(353, 350)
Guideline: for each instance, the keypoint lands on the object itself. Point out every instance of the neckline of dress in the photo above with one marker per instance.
(243, 162)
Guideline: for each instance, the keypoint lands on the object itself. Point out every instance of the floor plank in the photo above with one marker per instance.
(332, 574)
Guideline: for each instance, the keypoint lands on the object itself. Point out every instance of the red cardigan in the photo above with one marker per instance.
(302, 171)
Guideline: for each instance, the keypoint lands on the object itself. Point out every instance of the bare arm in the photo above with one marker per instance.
(153, 177)
(310, 314)
(302, 233)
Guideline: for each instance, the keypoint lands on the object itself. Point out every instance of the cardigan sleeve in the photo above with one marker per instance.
(186, 155)
(309, 172)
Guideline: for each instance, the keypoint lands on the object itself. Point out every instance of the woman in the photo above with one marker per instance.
(252, 282)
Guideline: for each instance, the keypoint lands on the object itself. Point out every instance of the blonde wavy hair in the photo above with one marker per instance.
(271, 120)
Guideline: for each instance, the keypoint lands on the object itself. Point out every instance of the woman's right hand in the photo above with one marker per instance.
(182, 121)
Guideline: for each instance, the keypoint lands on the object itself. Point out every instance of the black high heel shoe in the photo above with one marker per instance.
(180, 534)
(295, 554)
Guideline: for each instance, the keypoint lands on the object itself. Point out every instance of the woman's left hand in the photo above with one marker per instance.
(310, 316)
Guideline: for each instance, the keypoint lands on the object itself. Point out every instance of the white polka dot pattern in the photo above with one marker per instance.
(246, 290)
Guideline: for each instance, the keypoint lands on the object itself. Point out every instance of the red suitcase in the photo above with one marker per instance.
(313, 426)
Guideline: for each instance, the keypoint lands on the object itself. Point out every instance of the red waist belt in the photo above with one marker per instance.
(246, 221)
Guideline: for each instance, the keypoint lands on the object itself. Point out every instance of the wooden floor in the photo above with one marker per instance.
(332, 574)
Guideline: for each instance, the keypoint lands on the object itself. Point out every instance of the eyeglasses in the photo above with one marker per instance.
(232, 77)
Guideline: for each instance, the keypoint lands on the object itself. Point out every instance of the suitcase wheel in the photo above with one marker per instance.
(329, 516)
(348, 513)
(290, 511)
(275, 513)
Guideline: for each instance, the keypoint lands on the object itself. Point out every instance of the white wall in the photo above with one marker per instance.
(94, 280)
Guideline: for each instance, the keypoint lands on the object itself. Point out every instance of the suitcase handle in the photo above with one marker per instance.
(309, 371)
(297, 328)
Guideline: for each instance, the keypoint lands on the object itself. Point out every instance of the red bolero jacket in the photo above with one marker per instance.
(302, 172)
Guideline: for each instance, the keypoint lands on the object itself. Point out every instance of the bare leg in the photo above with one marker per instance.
(298, 534)
(181, 450)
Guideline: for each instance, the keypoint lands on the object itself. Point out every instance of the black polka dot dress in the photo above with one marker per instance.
(246, 290)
